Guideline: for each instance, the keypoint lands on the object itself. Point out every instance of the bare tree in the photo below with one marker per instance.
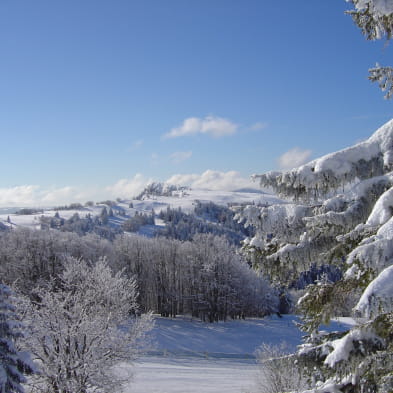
(80, 328)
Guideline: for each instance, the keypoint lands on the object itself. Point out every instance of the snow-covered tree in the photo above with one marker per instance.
(375, 19)
(340, 212)
(104, 215)
(80, 327)
(13, 363)
(204, 277)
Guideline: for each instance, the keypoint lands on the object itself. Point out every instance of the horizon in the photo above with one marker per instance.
(100, 99)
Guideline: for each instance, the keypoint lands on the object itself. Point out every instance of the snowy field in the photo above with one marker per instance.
(187, 375)
(185, 201)
(194, 357)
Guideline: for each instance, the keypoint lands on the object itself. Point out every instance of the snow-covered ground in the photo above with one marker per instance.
(186, 201)
(194, 357)
(187, 375)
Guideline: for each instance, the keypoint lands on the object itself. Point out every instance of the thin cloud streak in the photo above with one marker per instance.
(258, 126)
(210, 125)
(294, 158)
(135, 146)
(180, 156)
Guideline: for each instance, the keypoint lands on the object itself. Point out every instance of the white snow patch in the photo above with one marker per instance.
(194, 357)
(187, 375)
(343, 346)
(378, 7)
(382, 210)
(379, 293)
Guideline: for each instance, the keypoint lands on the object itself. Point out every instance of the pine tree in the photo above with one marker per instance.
(13, 363)
(341, 212)
(375, 19)
(104, 216)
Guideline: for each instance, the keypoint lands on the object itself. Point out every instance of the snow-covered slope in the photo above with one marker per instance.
(194, 357)
(184, 200)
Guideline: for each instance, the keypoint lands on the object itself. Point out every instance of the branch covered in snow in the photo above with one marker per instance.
(342, 213)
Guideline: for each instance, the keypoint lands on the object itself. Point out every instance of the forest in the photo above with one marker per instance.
(79, 295)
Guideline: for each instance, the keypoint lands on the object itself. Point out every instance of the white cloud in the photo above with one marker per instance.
(36, 196)
(180, 156)
(210, 125)
(258, 126)
(62, 195)
(213, 180)
(19, 195)
(128, 188)
(135, 146)
(294, 158)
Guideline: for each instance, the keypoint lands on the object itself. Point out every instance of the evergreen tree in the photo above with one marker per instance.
(104, 216)
(375, 19)
(341, 212)
(13, 363)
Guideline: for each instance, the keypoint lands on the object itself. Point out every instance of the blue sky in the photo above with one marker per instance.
(98, 97)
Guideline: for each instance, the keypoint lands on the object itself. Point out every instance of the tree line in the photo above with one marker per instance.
(204, 277)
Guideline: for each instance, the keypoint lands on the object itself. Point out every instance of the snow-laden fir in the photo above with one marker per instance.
(339, 211)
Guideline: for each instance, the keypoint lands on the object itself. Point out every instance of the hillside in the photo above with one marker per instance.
(140, 215)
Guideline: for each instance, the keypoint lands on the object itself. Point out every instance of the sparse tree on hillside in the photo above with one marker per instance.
(104, 216)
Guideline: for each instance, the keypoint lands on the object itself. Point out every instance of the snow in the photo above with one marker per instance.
(382, 210)
(386, 230)
(374, 251)
(378, 293)
(234, 337)
(185, 201)
(329, 386)
(368, 158)
(379, 7)
(343, 346)
(177, 375)
(193, 357)
(277, 219)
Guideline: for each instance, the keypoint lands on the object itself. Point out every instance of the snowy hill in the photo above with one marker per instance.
(186, 199)
(148, 201)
